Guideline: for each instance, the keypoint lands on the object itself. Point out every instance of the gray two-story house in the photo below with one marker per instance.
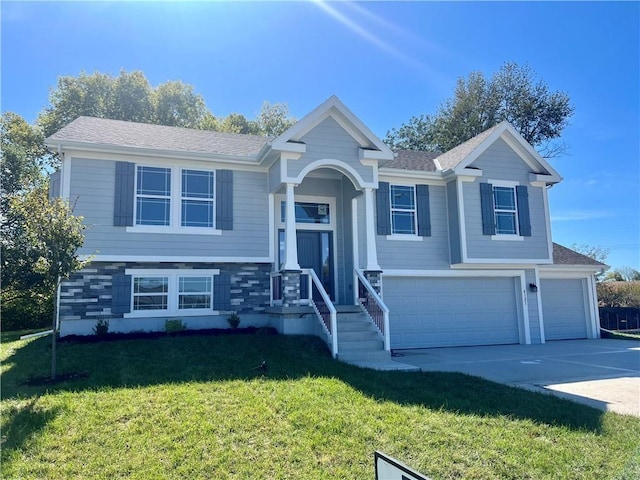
(317, 230)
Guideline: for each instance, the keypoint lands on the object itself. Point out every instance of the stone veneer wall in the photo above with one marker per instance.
(87, 294)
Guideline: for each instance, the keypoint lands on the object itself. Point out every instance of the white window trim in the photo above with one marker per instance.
(175, 206)
(308, 199)
(172, 295)
(404, 236)
(511, 237)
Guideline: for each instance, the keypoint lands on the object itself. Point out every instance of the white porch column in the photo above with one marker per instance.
(372, 253)
(290, 241)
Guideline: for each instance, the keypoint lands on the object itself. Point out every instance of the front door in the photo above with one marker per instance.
(315, 250)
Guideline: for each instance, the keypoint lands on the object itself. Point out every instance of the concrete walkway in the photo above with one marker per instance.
(604, 373)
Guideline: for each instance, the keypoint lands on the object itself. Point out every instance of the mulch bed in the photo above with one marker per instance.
(111, 336)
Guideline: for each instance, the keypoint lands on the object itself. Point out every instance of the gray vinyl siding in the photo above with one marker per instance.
(93, 186)
(330, 141)
(274, 177)
(454, 223)
(429, 253)
(500, 162)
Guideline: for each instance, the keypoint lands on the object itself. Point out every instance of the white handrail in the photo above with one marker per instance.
(332, 309)
(383, 307)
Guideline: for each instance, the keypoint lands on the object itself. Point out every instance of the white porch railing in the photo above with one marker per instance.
(373, 305)
(325, 310)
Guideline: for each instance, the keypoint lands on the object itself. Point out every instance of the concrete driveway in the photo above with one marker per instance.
(602, 373)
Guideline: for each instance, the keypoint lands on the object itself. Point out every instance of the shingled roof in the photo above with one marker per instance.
(453, 157)
(566, 256)
(413, 160)
(119, 133)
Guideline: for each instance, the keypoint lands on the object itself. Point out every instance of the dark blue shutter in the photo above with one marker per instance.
(383, 209)
(123, 203)
(486, 204)
(224, 199)
(524, 219)
(222, 292)
(424, 210)
(121, 293)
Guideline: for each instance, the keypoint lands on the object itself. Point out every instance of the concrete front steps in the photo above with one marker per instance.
(359, 342)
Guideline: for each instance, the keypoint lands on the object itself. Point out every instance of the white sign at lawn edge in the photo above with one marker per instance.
(388, 468)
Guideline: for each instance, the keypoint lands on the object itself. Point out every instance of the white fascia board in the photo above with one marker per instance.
(451, 273)
(152, 152)
(367, 154)
(551, 270)
(291, 147)
(540, 180)
(480, 149)
(507, 261)
(465, 174)
(333, 107)
(209, 163)
(175, 258)
(498, 264)
(528, 150)
(393, 174)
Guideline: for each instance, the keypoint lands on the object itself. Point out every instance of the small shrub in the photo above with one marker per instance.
(101, 328)
(174, 325)
(234, 320)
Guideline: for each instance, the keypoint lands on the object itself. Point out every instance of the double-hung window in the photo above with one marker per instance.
(153, 196)
(403, 209)
(175, 198)
(168, 292)
(505, 210)
(197, 198)
(150, 293)
(194, 292)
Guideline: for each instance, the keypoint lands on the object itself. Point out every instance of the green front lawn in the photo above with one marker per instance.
(194, 407)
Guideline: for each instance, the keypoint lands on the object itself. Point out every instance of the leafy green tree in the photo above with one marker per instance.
(274, 119)
(623, 274)
(52, 237)
(478, 103)
(132, 98)
(176, 104)
(22, 163)
(125, 97)
(238, 123)
(417, 134)
(88, 95)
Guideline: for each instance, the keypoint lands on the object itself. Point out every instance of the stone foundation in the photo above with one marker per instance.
(86, 296)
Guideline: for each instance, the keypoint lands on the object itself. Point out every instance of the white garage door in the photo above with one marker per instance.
(563, 308)
(444, 312)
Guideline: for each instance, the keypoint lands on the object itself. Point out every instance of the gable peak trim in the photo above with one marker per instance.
(334, 108)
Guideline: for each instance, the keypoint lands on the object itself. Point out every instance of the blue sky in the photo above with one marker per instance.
(385, 61)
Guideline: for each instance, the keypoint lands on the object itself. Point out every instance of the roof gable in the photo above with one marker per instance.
(463, 156)
(335, 109)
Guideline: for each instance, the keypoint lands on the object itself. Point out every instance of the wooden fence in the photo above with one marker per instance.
(620, 318)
